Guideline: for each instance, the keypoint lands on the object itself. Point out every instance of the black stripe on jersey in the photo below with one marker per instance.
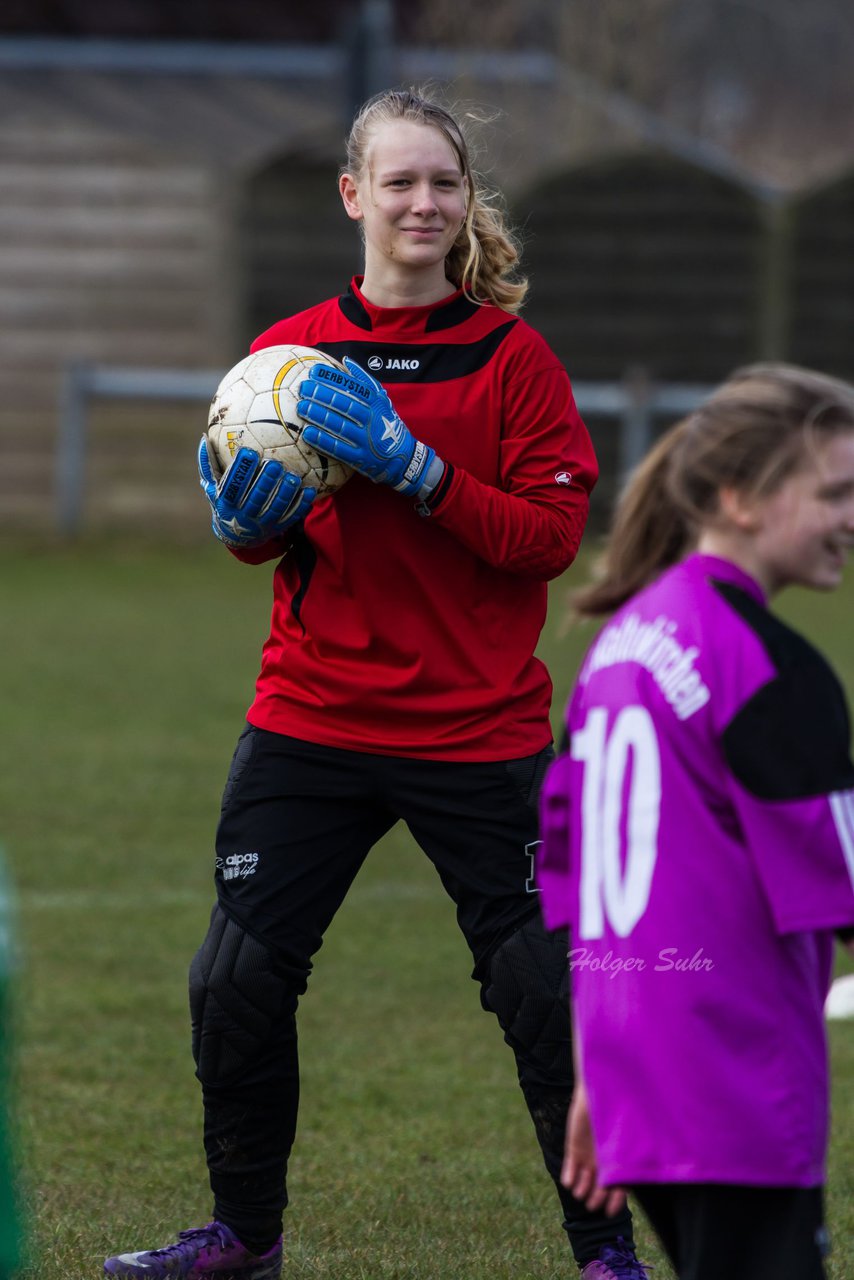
(421, 362)
(791, 739)
(306, 557)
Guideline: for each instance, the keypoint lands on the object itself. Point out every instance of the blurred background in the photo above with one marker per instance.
(681, 171)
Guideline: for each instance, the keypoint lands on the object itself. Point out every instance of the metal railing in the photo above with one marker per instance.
(634, 402)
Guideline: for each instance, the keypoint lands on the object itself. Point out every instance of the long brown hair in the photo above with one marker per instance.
(485, 255)
(749, 435)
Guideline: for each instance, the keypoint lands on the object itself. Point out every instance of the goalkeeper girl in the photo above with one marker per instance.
(699, 834)
(399, 681)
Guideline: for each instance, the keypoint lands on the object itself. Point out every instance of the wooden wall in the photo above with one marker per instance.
(109, 253)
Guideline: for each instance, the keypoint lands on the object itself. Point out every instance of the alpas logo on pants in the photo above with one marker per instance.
(237, 866)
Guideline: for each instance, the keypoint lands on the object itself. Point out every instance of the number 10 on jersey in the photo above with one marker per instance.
(620, 809)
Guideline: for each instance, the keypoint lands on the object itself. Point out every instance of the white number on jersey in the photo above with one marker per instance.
(619, 818)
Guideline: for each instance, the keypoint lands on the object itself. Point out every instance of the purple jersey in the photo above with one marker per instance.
(698, 838)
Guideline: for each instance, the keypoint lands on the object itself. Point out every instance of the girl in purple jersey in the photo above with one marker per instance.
(699, 835)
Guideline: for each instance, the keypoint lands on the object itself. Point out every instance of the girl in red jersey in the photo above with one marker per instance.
(399, 681)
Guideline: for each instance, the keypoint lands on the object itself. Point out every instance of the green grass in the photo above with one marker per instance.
(126, 674)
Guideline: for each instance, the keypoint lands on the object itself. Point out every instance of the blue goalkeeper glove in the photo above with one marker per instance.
(350, 417)
(253, 501)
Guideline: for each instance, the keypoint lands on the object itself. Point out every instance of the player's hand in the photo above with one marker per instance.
(252, 501)
(350, 417)
(580, 1172)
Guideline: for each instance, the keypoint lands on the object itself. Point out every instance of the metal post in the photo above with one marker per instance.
(379, 40)
(370, 46)
(70, 477)
(635, 424)
(775, 283)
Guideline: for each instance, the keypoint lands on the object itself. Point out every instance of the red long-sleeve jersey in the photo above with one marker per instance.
(403, 634)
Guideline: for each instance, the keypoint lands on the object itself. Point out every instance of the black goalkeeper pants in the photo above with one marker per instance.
(297, 822)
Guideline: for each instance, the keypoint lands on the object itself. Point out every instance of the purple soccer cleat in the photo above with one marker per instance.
(205, 1253)
(615, 1262)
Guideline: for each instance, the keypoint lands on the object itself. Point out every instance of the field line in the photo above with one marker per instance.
(111, 900)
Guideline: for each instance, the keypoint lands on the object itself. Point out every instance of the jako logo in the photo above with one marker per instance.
(563, 477)
(377, 363)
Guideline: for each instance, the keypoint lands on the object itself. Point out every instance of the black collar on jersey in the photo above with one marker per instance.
(353, 309)
(446, 317)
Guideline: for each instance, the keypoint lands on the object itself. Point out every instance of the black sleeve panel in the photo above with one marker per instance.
(791, 740)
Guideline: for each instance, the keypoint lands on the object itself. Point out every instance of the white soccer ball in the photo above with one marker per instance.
(256, 406)
(840, 998)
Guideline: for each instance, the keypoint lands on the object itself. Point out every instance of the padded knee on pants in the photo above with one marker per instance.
(527, 988)
(237, 996)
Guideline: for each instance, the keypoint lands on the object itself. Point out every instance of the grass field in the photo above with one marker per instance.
(126, 673)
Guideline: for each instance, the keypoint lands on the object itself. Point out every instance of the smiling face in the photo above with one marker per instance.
(801, 533)
(411, 202)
